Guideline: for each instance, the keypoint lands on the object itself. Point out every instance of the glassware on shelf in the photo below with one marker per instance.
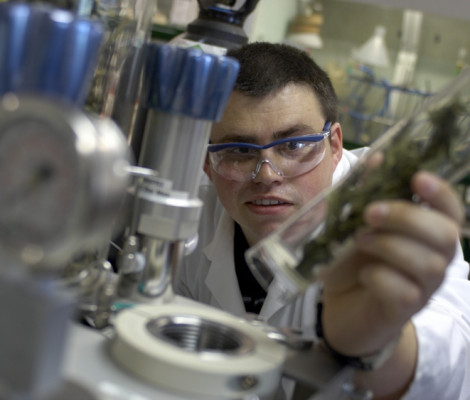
(116, 82)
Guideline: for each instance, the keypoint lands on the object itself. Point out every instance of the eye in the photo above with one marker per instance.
(240, 152)
(293, 146)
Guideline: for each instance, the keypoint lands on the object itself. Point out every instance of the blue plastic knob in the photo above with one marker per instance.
(47, 50)
(188, 82)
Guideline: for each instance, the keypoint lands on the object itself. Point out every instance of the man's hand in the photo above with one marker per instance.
(398, 261)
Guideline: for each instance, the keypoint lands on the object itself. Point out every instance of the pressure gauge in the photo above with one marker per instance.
(63, 175)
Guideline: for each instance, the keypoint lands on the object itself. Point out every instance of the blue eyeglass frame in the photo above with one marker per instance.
(317, 137)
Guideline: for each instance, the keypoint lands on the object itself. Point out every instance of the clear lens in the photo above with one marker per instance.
(290, 158)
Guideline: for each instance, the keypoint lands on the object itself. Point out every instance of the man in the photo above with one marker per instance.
(389, 294)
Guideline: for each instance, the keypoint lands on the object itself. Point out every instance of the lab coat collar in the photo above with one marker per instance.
(221, 279)
(348, 159)
(275, 300)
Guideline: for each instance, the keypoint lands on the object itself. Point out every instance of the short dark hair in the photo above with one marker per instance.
(269, 67)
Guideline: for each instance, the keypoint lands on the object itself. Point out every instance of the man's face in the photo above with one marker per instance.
(262, 204)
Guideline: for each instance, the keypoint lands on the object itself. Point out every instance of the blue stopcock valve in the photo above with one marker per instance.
(48, 51)
(187, 81)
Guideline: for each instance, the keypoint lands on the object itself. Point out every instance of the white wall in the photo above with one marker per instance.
(459, 9)
(270, 19)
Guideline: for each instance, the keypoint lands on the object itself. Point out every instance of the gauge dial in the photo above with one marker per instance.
(62, 174)
(38, 174)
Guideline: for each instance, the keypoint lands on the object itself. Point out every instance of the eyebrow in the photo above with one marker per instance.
(293, 130)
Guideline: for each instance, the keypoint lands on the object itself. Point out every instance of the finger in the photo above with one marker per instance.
(418, 262)
(399, 297)
(438, 194)
(432, 228)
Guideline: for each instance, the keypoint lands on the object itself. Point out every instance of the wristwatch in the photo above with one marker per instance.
(364, 363)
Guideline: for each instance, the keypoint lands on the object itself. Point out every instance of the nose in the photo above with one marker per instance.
(265, 172)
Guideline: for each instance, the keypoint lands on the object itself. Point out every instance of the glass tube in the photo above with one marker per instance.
(435, 138)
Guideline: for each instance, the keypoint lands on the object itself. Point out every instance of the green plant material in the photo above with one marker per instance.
(425, 144)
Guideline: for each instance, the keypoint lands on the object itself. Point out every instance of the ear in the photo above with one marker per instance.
(336, 143)
(207, 168)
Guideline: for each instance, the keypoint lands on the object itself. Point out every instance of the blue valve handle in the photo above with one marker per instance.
(47, 50)
(188, 82)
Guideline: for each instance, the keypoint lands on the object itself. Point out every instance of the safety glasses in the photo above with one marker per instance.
(288, 157)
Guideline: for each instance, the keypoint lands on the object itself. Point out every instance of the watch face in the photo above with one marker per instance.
(40, 178)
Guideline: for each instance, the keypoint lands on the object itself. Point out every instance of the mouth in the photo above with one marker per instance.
(268, 202)
(272, 207)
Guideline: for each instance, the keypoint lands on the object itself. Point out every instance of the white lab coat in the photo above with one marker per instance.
(443, 326)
